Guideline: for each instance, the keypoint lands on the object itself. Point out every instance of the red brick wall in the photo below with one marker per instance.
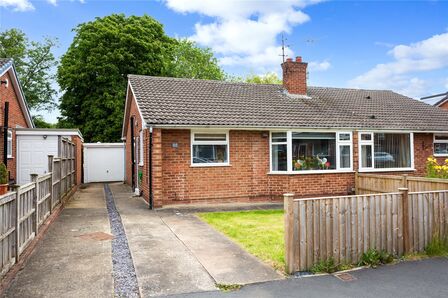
(133, 112)
(247, 178)
(16, 118)
(294, 76)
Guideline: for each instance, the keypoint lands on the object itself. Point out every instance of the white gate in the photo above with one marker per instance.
(103, 162)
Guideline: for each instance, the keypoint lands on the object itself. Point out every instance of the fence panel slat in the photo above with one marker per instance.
(343, 228)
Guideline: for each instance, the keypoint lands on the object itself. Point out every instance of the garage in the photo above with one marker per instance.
(33, 148)
(103, 162)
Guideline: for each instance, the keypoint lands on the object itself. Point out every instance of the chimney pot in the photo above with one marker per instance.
(298, 59)
(288, 59)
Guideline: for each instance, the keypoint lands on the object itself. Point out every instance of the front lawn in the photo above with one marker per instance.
(260, 232)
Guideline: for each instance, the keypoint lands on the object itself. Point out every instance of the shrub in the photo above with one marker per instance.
(325, 266)
(437, 247)
(3, 174)
(435, 170)
(374, 258)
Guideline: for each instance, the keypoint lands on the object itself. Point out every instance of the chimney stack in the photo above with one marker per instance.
(294, 76)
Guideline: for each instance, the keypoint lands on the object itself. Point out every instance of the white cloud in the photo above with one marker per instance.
(399, 75)
(17, 5)
(53, 2)
(319, 65)
(245, 31)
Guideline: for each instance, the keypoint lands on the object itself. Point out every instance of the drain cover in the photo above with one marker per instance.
(345, 276)
(99, 236)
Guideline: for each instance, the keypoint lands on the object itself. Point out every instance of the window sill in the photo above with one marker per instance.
(10, 157)
(440, 155)
(140, 164)
(206, 165)
(311, 172)
(387, 170)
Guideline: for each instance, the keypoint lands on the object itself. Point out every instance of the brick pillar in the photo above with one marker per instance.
(157, 187)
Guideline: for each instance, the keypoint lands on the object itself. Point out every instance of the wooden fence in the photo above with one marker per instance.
(372, 183)
(25, 209)
(345, 227)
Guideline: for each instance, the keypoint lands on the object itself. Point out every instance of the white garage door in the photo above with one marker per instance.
(32, 155)
(103, 162)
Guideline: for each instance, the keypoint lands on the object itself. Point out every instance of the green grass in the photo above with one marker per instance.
(259, 232)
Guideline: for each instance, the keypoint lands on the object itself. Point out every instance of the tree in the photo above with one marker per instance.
(34, 62)
(93, 72)
(190, 61)
(268, 78)
(39, 122)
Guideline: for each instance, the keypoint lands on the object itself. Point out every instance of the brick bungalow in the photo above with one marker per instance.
(13, 105)
(200, 141)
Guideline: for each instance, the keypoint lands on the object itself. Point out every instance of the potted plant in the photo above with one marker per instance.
(3, 179)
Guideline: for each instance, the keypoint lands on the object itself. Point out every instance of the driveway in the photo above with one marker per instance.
(106, 242)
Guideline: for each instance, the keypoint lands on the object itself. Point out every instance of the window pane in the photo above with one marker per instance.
(441, 148)
(209, 154)
(392, 150)
(278, 137)
(279, 157)
(344, 159)
(210, 137)
(366, 156)
(314, 151)
(344, 137)
(366, 137)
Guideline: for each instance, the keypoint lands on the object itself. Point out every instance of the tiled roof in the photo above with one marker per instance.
(4, 62)
(189, 102)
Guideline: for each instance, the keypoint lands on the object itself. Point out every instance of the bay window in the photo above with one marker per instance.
(209, 149)
(385, 151)
(441, 145)
(301, 152)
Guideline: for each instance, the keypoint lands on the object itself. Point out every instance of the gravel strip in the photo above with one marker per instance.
(125, 278)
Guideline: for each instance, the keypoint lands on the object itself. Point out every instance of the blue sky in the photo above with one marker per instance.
(395, 45)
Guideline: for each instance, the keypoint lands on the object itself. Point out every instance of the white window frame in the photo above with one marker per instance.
(288, 142)
(372, 143)
(9, 144)
(440, 142)
(141, 149)
(193, 142)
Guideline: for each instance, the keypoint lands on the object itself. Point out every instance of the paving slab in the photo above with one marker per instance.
(224, 260)
(164, 265)
(67, 263)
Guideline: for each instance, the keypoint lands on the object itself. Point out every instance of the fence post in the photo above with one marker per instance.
(35, 202)
(356, 183)
(404, 180)
(50, 170)
(288, 199)
(17, 223)
(404, 191)
(61, 180)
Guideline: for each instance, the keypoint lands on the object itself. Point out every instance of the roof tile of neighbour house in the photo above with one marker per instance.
(4, 63)
(435, 100)
(190, 102)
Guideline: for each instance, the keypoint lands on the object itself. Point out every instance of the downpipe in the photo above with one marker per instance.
(151, 196)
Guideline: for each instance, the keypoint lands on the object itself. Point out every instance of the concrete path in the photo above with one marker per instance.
(175, 252)
(172, 252)
(66, 265)
(427, 278)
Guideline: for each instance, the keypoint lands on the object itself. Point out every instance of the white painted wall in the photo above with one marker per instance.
(32, 155)
(103, 162)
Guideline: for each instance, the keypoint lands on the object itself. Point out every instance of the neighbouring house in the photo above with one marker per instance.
(437, 100)
(14, 114)
(201, 141)
(23, 148)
